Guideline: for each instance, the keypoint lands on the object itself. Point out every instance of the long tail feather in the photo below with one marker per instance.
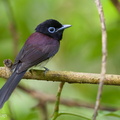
(9, 86)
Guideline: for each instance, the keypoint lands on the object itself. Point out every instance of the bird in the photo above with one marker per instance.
(40, 46)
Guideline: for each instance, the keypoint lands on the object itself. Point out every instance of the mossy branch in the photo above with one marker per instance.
(65, 76)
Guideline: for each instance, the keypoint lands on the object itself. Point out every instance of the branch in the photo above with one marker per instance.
(57, 103)
(65, 76)
(48, 98)
(116, 3)
(104, 57)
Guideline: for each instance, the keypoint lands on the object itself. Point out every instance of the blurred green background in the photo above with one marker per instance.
(80, 51)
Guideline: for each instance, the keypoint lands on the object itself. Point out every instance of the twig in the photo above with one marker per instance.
(104, 57)
(56, 109)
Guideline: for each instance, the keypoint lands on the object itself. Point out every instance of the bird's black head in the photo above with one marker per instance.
(52, 28)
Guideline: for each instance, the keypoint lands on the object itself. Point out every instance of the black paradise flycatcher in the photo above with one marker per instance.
(40, 47)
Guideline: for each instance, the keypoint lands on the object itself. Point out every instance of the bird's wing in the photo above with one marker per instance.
(33, 54)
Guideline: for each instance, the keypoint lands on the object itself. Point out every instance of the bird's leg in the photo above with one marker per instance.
(46, 70)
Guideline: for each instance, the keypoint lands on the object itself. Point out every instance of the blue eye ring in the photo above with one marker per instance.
(51, 29)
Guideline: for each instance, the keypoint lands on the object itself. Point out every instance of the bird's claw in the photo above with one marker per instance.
(46, 70)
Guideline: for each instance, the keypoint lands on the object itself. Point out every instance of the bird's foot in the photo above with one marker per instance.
(46, 69)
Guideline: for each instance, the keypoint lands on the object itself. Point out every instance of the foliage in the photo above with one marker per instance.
(80, 51)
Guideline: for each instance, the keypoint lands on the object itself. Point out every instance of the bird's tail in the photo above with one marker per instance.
(9, 86)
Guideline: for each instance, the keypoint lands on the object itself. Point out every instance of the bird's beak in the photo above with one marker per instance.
(63, 27)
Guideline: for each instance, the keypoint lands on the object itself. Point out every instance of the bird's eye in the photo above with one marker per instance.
(51, 29)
